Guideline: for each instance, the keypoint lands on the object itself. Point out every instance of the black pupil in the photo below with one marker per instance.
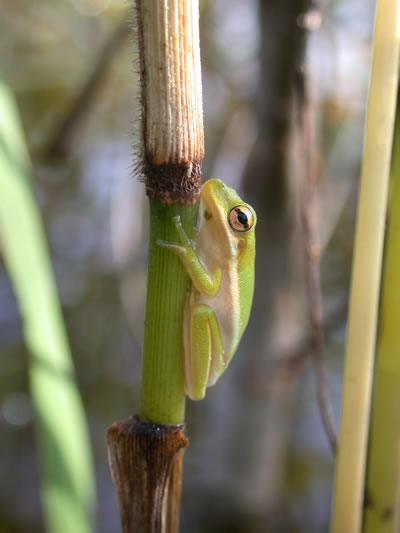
(242, 217)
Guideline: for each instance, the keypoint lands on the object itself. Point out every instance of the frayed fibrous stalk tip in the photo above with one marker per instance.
(171, 99)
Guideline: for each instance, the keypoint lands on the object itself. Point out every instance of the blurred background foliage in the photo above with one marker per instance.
(258, 459)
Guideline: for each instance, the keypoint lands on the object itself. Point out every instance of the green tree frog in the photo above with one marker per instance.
(220, 263)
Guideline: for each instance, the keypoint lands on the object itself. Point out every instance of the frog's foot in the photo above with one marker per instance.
(182, 234)
(174, 246)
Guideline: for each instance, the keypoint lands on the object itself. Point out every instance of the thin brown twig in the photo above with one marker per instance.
(310, 225)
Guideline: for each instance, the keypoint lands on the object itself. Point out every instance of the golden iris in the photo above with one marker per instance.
(241, 218)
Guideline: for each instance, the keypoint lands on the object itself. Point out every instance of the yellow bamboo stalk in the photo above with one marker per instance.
(364, 298)
(381, 513)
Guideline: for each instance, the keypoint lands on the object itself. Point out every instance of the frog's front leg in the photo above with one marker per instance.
(204, 351)
(204, 282)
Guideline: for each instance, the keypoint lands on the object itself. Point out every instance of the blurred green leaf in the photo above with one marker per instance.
(65, 457)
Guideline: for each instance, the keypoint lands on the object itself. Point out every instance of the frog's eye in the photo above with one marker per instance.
(240, 218)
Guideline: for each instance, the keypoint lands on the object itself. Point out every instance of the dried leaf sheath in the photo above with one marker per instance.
(146, 464)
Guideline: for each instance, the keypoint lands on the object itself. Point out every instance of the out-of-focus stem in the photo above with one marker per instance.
(63, 137)
(364, 298)
(381, 513)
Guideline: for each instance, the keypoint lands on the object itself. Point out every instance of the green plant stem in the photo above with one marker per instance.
(383, 473)
(145, 454)
(162, 392)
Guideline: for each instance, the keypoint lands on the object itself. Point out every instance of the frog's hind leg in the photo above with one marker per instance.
(204, 351)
